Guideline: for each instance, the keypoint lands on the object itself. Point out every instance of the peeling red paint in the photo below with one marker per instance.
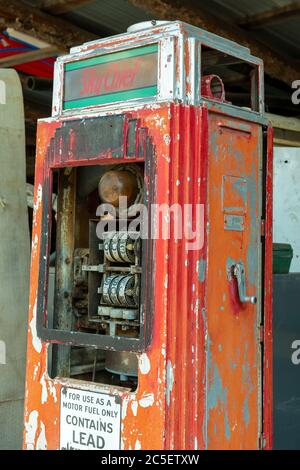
(199, 379)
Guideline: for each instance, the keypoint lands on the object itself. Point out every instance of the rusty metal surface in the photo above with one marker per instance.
(179, 396)
(63, 317)
(233, 343)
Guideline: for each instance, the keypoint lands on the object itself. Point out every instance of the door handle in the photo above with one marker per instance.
(238, 271)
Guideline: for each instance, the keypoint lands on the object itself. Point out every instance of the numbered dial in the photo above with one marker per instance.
(120, 291)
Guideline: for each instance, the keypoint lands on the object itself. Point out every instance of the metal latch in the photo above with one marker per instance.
(238, 271)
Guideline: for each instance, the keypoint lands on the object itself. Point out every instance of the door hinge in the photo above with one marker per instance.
(262, 228)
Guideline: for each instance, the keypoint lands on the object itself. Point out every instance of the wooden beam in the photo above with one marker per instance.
(59, 7)
(55, 31)
(270, 17)
(285, 123)
(286, 130)
(25, 57)
(283, 138)
(272, 102)
(275, 66)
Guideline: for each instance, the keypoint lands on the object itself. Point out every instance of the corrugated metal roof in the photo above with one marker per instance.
(113, 16)
(290, 33)
(242, 8)
(283, 37)
(104, 17)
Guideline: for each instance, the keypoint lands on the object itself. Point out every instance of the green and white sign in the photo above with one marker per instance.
(118, 76)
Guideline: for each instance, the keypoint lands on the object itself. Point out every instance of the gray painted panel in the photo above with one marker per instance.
(286, 330)
(11, 429)
(14, 260)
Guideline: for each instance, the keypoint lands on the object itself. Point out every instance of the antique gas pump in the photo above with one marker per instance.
(158, 334)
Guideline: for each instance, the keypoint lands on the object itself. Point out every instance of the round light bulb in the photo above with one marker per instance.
(115, 184)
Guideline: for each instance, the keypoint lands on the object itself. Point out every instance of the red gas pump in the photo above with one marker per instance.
(158, 334)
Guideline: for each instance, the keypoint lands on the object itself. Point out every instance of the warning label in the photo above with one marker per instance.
(89, 420)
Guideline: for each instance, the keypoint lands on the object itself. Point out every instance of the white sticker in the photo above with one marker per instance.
(89, 420)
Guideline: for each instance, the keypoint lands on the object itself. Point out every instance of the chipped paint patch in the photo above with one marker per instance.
(52, 391)
(170, 381)
(144, 364)
(246, 411)
(146, 400)
(227, 428)
(47, 386)
(196, 308)
(216, 393)
(124, 408)
(134, 407)
(34, 244)
(31, 430)
(41, 443)
(36, 205)
(43, 383)
(36, 342)
(167, 139)
(246, 373)
(159, 121)
(201, 269)
(35, 370)
(138, 445)
(217, 397)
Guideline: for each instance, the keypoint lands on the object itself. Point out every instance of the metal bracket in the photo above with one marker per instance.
(91, 268)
